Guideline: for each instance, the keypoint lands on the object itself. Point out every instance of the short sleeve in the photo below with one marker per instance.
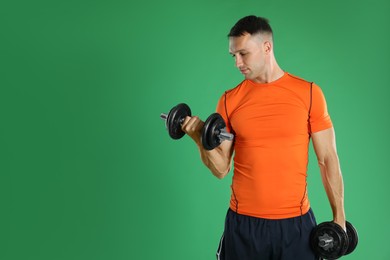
(319, 116)
(223, 111)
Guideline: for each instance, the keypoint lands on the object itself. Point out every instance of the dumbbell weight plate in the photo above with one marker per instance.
(352, 237)
(211, 129)
(175, 118)
(339, 244)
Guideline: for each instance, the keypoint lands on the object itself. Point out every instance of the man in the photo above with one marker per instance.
(273, 115)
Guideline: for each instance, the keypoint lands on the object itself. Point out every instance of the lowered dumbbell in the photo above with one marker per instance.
(214, 132)
(175, 118)
(329, 240)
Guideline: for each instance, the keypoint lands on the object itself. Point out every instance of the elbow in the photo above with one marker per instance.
(329, 161)
(220, 174)
(321, 164)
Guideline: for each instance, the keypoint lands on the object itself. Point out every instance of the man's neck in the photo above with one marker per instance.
(273, 74)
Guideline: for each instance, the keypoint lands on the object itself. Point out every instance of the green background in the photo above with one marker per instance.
(87, 170)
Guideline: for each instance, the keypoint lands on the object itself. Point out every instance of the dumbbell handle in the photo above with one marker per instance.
(224, 135)
(325, 242)
(164, 116)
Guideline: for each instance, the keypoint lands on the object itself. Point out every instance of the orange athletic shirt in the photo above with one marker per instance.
(271, 126)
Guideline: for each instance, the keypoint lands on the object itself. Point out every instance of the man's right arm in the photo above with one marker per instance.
(217, 160)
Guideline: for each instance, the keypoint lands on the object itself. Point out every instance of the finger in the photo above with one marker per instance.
(191, 125)
(185, 122)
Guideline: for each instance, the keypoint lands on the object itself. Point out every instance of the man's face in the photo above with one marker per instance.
(250, 53)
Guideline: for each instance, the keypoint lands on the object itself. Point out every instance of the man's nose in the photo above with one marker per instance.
(238, 60)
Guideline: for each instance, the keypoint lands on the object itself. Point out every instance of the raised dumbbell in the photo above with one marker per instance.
(214, 132)
(175, 118)
(329, 240)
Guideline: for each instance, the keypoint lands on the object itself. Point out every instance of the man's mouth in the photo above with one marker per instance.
(244, 71)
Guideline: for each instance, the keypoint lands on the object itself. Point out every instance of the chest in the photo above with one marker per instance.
(270, 113)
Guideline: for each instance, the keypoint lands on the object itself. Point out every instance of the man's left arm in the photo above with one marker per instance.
(324, 143)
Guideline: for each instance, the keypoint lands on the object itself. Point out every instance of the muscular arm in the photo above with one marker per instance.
(324, 143)
(217, 160)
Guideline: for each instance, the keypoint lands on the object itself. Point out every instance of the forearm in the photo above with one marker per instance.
(334, 186)
(216, 161)
(324, 143)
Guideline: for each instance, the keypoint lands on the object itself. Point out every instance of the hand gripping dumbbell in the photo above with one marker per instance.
(175, 118)
(214, 132)
(329, 240)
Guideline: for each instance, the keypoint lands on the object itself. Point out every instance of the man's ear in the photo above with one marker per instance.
(267, 45)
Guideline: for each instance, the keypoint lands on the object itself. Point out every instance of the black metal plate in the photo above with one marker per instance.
(352, 237)
(339, 244)
(211, 129)
(175, 118)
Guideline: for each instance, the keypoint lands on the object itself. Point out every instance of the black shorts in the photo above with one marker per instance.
(250, 238)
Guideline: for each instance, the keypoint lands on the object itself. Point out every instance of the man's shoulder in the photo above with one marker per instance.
(237, 87)
(298, 79)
